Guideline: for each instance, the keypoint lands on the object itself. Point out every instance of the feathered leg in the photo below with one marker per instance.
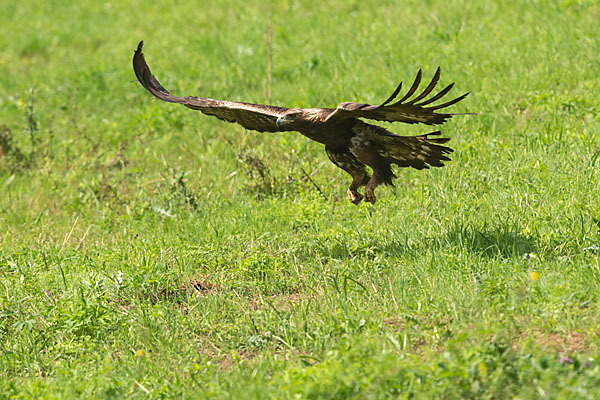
(355, 168)
(382, 170)
(378, 148)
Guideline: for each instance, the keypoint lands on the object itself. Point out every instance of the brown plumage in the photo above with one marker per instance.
(350, 143)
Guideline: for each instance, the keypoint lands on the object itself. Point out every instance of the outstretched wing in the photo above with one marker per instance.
(257, 117)
(411, 111)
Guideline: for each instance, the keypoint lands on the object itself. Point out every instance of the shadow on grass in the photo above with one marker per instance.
(500, 241)
(492, 242)
(487, 241)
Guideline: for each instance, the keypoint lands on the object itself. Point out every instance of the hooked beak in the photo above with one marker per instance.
(279, 122)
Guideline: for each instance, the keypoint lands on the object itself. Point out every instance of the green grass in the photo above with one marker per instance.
(142, 254)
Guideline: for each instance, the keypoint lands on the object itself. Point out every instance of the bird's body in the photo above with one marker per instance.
(350, 143)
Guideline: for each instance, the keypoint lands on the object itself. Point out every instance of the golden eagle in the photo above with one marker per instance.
(350, 143)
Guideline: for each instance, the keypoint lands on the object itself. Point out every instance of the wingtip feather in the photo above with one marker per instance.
(393, 96)
(413, 88)
(148, 81)
(429, 88)
(449, 103)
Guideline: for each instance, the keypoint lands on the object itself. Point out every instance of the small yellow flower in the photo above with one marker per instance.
(20, 103)
(139, 353)
(534, 275)
(482, 369)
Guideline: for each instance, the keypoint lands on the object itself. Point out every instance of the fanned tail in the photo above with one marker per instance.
(419, 152)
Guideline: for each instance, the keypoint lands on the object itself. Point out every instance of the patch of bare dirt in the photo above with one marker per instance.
(192, 287)
(432, 332)
(567, 343)
(281, 302)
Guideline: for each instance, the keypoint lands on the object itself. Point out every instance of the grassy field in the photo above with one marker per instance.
(147, 250)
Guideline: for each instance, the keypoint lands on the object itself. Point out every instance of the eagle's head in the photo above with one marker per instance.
(289, 117)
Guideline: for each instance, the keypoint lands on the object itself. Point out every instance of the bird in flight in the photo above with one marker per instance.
(350, 143)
